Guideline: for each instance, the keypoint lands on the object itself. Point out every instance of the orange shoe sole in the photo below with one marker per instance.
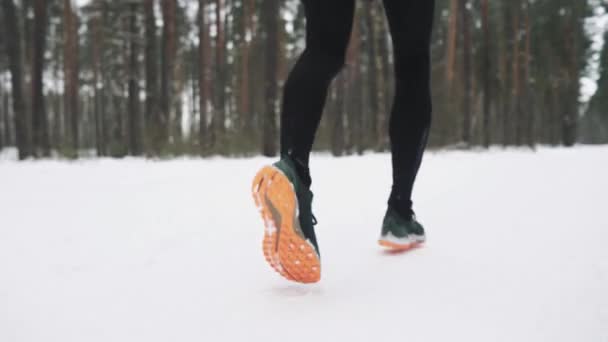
(285, 248)
(399, 247)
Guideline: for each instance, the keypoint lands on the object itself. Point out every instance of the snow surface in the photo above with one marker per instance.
(136, 250)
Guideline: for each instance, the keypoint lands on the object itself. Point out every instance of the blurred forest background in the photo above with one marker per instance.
(204, 77)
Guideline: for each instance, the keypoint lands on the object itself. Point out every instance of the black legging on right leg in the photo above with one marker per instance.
(410, 23)
(328, 28)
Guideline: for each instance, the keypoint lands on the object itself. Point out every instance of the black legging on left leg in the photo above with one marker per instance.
(328, 28)
(329, 24)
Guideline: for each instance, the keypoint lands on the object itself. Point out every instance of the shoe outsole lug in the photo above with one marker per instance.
(284, 249)
(396, 247)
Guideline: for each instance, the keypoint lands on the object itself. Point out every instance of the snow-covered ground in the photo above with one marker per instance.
(137, 250)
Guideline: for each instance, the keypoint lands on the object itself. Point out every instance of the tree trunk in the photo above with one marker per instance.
(152, 112)
(486, 72)
(56, 103)
(337, 129)
(372, 70)
(27, 21)
(193, 62)
(5, 126)
(177, 88)
(13, 51)
(570, 100)
(106, 97)
(167, 69)
(220, 81)
(135, 146)
(384, 78)
(40, 121)
(451, 42)
(467, 59)
(516, 70)
(507, 88)
(70, 69)
(3, 118)
(270, 12)
(529, 117)
(203, 82)
(9, 137)
(355, 104)
(97, 92)
(245, 102)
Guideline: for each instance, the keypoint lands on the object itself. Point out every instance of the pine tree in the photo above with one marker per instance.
(40, 125)
(13, 51)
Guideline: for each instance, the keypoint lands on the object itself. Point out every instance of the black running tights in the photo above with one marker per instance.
(328, 29)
